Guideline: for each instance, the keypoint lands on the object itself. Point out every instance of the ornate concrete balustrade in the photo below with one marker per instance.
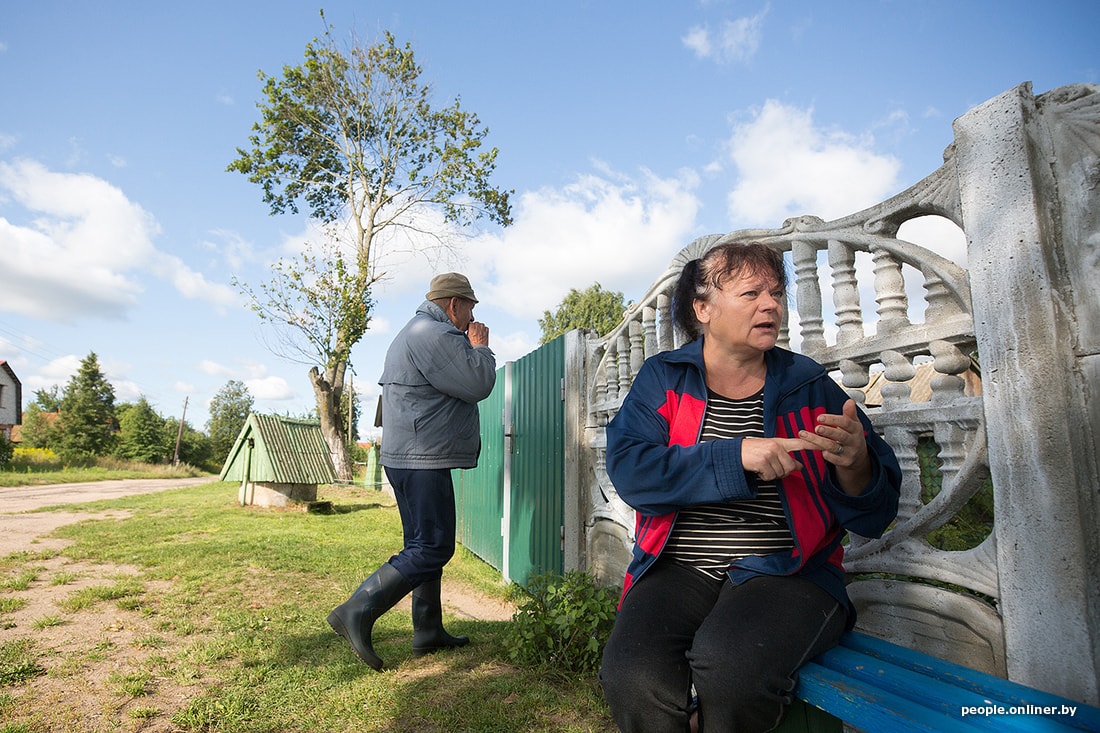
(1022, 180)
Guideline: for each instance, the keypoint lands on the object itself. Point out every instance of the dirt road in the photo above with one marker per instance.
(22, 531)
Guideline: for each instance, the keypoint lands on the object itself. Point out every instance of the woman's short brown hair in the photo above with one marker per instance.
(709, 272)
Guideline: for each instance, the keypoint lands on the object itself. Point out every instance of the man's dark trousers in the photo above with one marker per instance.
(426, 501)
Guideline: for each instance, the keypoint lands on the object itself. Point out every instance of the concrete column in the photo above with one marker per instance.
(1035, 390)
(578, 458)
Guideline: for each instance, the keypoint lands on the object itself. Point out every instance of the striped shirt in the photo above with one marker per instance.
(709, 537)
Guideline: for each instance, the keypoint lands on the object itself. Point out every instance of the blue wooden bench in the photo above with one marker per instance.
(875, 686)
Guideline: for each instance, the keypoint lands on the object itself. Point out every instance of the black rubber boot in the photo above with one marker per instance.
(427, 615)
(354, 618)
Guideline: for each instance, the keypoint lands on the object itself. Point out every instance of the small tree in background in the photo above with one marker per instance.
(143, 434)
(40, 428)
(229, 410)
(49, 399)
(87, 422)
(595, 308)
(195, 447)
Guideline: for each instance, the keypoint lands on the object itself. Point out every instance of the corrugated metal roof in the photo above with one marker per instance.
(279, 450)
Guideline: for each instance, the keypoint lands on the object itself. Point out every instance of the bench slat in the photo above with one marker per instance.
(868, 708)
(999, 690)
(924, 690)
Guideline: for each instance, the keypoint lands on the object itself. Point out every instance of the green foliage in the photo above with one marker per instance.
(969, 527)
(48, 400)
(349, 408)
(229, 410)
(40, 428)
(87, 414)
(595, 308)
(37, 466)
(358, 453)
(143, 434)
(27, 460)
(360, 127)
(195, 447)
(7, 450)
(563, 624)
(323, 302)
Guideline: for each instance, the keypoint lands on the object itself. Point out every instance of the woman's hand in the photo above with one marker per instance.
(770, 458)
(840, 438)
(842, 442)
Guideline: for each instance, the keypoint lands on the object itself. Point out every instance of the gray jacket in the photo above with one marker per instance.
(431, 381)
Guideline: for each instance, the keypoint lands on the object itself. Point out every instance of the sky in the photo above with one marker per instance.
(625, 130)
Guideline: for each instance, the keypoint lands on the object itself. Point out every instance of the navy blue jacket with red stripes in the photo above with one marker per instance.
(658, 465)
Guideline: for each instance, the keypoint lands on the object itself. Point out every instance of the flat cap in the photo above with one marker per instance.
(450, 285)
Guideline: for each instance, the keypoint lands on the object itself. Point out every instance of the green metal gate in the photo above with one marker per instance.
(510, 508)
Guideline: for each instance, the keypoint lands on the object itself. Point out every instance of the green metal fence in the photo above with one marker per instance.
(510, 508)
(479, 495)
(537, 490)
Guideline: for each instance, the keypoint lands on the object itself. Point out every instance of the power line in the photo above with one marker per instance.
(21, 339)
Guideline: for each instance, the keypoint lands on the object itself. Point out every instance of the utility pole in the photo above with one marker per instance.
(179, 435)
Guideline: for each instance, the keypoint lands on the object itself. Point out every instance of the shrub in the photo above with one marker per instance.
(563, 624)
(6, 450)
(35, 459)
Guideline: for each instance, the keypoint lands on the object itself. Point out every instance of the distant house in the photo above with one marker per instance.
(278, 460)
(11, 400)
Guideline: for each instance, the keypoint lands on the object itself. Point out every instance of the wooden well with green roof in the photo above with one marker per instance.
(278, 460)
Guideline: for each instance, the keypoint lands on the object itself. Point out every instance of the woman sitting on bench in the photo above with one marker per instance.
(746, 464)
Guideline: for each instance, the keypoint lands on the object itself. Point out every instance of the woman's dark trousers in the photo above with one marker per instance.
(740, 646)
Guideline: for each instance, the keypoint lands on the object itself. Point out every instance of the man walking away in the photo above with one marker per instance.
(436, 371)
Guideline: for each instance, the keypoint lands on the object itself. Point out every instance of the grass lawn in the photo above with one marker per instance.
(224, 629)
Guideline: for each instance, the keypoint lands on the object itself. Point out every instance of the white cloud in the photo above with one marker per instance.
(511, 346)
(270, 388)
(256, 377)
(191, 284)
(788, 167)
(55, 373)
(60, 371)
(83, 249)
(214, 369)
(127, 390)
(380, 325)
(237, 251)
(605, 227)
(734, 40)
(698, 40)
